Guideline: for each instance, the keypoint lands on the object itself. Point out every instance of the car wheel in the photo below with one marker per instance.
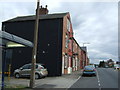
(94, 74)
(83, 75)
(17, 75)
(37, 76)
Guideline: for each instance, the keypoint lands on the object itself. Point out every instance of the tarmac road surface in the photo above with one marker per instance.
(106, 78)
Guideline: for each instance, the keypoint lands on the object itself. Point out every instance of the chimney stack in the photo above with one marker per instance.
(43, 11)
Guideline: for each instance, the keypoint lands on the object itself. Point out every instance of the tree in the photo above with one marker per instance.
(102, 64)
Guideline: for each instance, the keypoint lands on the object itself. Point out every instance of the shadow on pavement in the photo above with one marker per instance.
(46, 86)
(88, 76)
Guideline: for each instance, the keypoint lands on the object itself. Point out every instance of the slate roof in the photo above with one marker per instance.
(32, 17)
(84, 49)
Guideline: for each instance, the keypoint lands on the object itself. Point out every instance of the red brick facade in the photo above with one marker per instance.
(73, 57)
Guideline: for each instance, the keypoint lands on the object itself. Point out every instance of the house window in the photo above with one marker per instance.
(73, 62)
(73, 47)
(66, 41)
(76, 46)
(68, 25)
(66, 61)
(70, 41)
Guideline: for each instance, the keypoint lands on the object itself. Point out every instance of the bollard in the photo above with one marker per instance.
(9, 68)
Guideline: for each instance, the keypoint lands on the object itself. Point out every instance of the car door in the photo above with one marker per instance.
(24, 70)
(28, 70)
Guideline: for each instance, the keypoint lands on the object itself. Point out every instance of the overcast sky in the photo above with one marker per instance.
(93, 22)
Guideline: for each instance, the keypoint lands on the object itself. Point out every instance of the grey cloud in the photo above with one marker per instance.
(93, 22)
(13, 9)
(99, 27)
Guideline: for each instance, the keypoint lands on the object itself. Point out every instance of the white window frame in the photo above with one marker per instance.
(68, 24)
(66, 41)
(66, 61)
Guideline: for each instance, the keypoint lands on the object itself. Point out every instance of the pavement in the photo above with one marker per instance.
(64, 81)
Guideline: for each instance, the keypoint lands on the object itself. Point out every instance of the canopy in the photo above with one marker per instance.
(9, 40)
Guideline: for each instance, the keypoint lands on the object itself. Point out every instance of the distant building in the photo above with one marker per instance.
(84, 56)
(110, 63)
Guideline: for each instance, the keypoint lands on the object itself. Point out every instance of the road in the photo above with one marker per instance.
(106, 78)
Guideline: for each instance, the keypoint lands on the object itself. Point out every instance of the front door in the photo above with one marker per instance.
(63, 61)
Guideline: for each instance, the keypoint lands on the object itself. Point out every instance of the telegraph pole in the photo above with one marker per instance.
(34, 52)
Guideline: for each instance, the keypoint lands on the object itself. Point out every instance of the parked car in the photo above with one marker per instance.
(25, 71)
(89, 70)
(117, 66)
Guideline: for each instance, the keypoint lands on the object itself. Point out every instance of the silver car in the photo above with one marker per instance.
(25, 71)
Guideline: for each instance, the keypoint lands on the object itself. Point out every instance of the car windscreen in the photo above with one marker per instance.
(88, 68)
(42, 65)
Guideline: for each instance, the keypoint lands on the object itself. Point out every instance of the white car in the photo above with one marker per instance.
(117, 66)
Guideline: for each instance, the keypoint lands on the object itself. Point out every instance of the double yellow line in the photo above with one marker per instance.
(5, 72)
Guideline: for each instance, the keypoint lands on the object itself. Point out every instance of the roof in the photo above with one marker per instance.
(10, 38)
(32, 17)
(76, 42)
(84, 49)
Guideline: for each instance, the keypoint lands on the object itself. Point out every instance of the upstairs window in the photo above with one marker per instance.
(68, 25)
(66, 41)
(73, 46)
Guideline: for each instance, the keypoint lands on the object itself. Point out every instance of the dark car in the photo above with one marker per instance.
(89, 70)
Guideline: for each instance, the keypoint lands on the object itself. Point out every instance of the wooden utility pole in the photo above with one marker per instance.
(34, 52)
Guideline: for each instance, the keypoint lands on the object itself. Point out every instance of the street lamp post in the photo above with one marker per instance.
(34, 52)
(85, 43)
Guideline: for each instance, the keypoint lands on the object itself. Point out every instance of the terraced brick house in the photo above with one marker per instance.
(55, 42)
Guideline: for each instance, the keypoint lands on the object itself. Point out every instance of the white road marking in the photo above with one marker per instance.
(78, 78)
(98, 80)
